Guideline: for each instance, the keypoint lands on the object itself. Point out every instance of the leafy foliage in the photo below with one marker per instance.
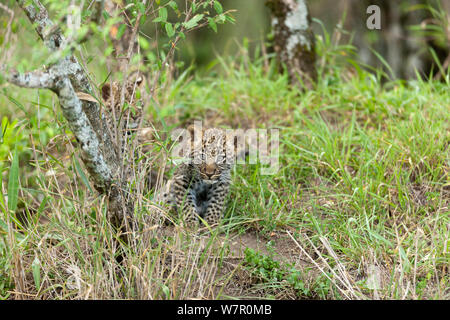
(271, 271)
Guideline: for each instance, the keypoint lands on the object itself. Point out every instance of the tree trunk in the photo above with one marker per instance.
(294, 40)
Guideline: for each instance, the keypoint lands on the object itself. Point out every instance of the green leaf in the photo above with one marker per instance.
(163, 14)
(42, 206)
(17, 103)
(141, 7)
(220, 18)
(121, 31)
(230, 19)
(81, 174)
(218, 7)
(143, 43)
(193, 22)
(3, 226)
(105, 14)
(143, 20)
(13, 182)
(173, 5)
(36, 268)
(3, 127)
(166, 291)
(212, 24)
(169, 29)
(193, 7)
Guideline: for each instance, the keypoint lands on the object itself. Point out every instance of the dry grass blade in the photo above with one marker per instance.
(350, 284)
(323, 271)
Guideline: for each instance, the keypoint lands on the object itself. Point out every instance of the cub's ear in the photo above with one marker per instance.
(231, 137)
(136, 78)
(190, 129)
(140, 80)
(106, 91)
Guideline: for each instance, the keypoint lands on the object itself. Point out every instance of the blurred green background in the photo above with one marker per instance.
(403, 42)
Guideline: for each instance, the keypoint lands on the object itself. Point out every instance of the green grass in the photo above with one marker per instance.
(363, 185)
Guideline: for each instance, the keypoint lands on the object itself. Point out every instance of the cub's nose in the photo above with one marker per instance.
(210, 170)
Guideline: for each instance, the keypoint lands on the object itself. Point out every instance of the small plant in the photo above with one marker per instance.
(263, 266)
(271, 271)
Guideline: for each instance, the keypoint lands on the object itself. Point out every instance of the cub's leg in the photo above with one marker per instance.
(185, 202)
(216, 206)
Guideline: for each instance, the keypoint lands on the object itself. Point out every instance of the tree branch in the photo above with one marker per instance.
(85, 134)
(65, 77)
(56, 80)
(34, 79)
(70, 67)
(45, 28)
(53, 39)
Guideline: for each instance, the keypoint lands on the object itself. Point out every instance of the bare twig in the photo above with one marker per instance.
(172, 49)
(129, 54)
(98, 6)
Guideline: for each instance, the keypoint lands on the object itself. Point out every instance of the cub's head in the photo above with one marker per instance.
(211, 153)
(127, 116)
(111, 91)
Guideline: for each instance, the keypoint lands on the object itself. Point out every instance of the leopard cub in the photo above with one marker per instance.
(200, 185)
